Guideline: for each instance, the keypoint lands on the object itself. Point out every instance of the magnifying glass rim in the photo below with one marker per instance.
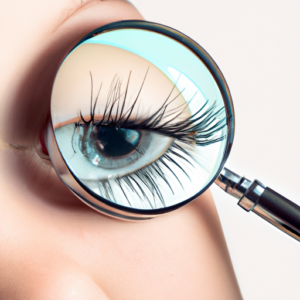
(224, 90)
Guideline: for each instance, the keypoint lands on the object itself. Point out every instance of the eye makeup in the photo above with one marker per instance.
(144, 154)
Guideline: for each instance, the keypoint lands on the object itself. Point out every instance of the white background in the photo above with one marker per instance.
(257, 46)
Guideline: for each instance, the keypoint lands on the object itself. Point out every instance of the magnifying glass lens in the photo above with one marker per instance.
(139, 117)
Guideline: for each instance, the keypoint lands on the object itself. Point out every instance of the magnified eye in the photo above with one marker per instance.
(113, 147)
(114, 151)
(121, 150)
(136, 131)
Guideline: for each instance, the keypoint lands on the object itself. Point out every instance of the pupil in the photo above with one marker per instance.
(113, 141)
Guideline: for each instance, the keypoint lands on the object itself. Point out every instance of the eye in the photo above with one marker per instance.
(123, 149)
(137, 132)
(102, 153)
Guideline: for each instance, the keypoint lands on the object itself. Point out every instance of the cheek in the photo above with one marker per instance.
(25, 98)
(32, 182)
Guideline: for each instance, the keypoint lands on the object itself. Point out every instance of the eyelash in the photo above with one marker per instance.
(198, 129)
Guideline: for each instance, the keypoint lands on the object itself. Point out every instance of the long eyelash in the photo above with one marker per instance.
(199, 129)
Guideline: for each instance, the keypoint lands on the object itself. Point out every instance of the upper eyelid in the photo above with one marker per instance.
(81, 6)
(69, 12)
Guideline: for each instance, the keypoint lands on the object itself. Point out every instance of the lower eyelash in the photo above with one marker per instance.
(145, 178)
(200, 129)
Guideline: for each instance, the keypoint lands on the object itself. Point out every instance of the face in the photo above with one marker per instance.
(28, 102)
(50, 238)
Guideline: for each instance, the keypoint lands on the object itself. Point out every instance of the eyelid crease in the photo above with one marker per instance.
(73, 120)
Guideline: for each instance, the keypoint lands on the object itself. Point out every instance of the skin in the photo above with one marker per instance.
(51, 245)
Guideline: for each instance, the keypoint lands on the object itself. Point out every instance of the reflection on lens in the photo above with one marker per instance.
(139, 126)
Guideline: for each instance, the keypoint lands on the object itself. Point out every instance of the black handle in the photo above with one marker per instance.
(279, 211)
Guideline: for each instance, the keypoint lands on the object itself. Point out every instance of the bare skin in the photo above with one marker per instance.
(51, 245)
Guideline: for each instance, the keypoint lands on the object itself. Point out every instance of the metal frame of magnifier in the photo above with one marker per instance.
(252, 196)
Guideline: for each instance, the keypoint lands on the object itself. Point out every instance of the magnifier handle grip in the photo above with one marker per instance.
(279, 211)
(263, 201)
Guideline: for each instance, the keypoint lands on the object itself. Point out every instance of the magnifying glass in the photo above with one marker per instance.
(142, 123)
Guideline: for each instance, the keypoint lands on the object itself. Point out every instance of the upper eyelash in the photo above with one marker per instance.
(199, 128)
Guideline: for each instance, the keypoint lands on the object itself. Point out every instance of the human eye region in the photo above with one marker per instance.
(144, 154)
(137, 128)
